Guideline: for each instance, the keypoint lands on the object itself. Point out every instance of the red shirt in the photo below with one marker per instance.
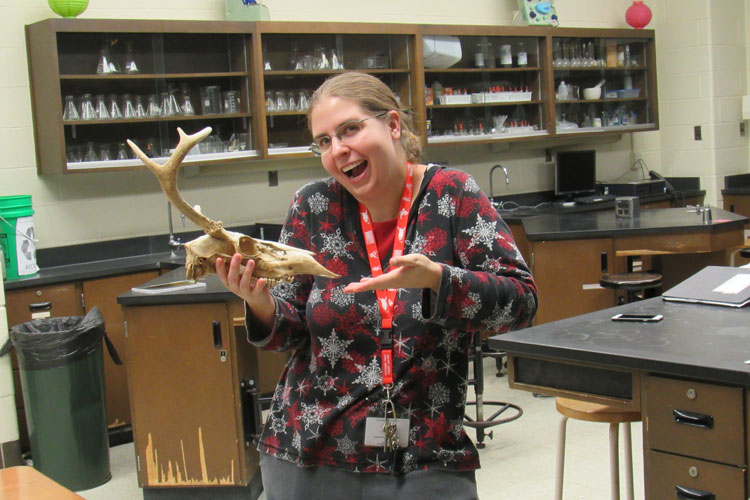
(385, 234)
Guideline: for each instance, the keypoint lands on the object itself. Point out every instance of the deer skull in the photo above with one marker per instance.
(273, 261)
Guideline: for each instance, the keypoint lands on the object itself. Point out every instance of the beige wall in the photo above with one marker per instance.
(90, 207)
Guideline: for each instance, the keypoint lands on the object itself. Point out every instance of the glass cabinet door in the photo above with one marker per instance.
(490, 90)
(142, 86)
(296, 64)
(601, 84)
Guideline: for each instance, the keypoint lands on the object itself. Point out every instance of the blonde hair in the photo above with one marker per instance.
(373, 95)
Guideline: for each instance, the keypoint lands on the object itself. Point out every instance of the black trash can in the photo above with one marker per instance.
(60, 361)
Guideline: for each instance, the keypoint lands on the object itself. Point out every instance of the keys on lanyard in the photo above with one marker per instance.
(390, 429)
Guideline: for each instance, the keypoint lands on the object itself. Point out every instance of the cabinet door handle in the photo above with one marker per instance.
(605, 264)
(685, 493)
(696, 419)
(40, 306)
(216, 327)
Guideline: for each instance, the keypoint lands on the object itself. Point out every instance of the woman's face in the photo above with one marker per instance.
(370, 161)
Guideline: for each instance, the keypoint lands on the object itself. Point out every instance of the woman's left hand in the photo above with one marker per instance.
(408, 271)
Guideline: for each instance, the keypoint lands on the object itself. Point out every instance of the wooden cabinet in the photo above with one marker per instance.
(186, 363)
(695, 435)
(567, 275)
(78, 62)
(623, 61)
(491, 93)
(103, 293)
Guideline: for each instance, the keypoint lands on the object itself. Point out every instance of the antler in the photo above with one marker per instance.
(273, 261)
(167, 176)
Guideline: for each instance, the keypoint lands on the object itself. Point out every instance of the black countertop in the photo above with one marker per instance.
(703, 342)
(602, 224)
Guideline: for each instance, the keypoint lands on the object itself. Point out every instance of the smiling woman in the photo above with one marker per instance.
(425, 263)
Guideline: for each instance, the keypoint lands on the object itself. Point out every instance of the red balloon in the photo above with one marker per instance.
(638, 15)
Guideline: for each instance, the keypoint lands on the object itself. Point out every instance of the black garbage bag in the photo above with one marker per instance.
(52, 342)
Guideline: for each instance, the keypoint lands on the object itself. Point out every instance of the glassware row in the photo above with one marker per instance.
(292, 100)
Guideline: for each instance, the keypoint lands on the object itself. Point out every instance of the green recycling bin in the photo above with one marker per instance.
(61, 370)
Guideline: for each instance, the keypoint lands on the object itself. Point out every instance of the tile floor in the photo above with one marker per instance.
(518, 463)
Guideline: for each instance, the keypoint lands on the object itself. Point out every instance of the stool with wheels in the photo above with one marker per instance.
(506, 412)
(592, 412)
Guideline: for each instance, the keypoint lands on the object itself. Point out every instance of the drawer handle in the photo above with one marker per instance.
(695, 419)
(216, 328)
(685, 493)
(40, 306)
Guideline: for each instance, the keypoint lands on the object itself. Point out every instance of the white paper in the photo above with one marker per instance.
(734, 285)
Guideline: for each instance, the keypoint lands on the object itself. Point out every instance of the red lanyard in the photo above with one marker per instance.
(386, 298)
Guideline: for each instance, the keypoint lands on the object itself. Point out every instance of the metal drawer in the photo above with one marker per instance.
(672, 477)
(699, 420)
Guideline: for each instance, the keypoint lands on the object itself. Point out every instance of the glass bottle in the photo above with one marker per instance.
(87, 108)
(489, 59)
(627, 56)
(114, 108)
(69, 111)
(557, 55)
(270, 103)
(130, 67)
(479, 55)
(506, 55)
(523, 57)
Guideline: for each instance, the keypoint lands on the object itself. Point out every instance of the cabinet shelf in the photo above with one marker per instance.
(151, 119)
(153, 76)
(605, 100)
(483, 70)
(483, 104)
(616, 128)
(597, 69)
(449, 139)
(136, 163)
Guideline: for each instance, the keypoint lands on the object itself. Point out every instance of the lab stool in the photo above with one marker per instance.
(634, 284)
(592, 412)
(506, 412)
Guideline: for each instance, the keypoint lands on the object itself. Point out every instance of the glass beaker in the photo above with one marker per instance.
(210, 99)
(281, 102)
(231, 101)
(130, 66)
(87, 108)
(69, 111)
(114, 108)
(102, 113)
(270, 104)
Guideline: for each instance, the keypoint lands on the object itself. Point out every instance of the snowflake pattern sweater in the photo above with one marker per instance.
(332, 381)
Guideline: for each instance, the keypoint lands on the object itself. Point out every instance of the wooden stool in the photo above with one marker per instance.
(632, 283)
(592, 412)
(27, 483)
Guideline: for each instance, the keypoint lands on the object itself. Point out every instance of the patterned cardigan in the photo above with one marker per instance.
(332, 380)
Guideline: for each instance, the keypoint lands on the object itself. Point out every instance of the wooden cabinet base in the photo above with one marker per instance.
(250, 492)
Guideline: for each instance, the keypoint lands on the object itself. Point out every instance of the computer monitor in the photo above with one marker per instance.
(575, 173)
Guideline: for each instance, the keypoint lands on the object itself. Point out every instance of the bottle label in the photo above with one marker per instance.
(523, 59)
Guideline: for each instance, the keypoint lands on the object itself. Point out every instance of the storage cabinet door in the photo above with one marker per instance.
(183, 396)
(567, 276)
(103, 293)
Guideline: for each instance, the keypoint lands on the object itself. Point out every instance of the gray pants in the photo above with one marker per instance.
(283, 480)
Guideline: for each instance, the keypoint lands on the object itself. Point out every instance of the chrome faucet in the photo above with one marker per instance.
(507, 179)
(174, 243)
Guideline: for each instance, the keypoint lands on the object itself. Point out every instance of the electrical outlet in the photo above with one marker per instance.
(273, 178)
(742, 129)
(697, 132)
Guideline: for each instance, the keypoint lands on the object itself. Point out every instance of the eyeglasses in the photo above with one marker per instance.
(345, 133)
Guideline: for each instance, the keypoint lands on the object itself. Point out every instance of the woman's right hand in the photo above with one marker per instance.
(250, 289)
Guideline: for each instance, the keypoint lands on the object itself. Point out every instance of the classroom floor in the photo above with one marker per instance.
(518, 463)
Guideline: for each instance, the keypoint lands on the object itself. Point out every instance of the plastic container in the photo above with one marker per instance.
(62, 377)
(17, 236)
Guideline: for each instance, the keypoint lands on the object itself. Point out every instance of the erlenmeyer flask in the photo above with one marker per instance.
(104, 153)
(102, 113)
(114, 108)
(69, 111)
(87, 108)
(166, 109)
(103, 65)
(140, 111)
(90, 154)
(153, 109)
(127, 104)
(187, 106)
(122, 151)
(130, 65)
(173, 104)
